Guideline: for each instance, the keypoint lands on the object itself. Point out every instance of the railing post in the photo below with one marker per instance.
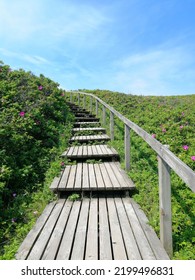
(91, 104)
(127, 147)
(96, 107)
(84, 101)
(103, 115)
(78, 99)
(165, 205)
(111, 126)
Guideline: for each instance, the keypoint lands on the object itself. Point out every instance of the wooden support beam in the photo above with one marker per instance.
(91, 104)
(96, 108)
(103, 115)
(111, 126)
(78, 99)
(84, 101)
(127, 147)
(165, 205)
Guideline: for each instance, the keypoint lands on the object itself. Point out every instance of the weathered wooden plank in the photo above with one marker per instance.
(64, 178)
(124, 174)
(99, 179)
(71, 179)
(112, 175)
(99, 151)
(90, 152)
(85, 179)
(118, 247)
(165, 205)
(92, 179)
(54, 184)
(85, 153)
(80, 151)
(111, 126)
(67, 240)
(80, 236)
(129, 238)
(127, 147)
(39, 246)
(54, 242)
(156, 245)
(105, 247)
(70, 151)
(92, 233)
(78, 177)
(107, 180)
(142, 241)
(123, 183)
(33, 234)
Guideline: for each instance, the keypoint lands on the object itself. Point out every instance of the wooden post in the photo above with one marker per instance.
(165, 205)
(84, 101)
(71, 97)
(91, 104)
(96, 107)
(111, 126)
(103, 115)
(127, 147)
(78, 99)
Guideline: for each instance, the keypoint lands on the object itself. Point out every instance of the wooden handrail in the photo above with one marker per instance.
(166, 161)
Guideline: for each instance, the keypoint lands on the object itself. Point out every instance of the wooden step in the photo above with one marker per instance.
(80, 129)
(88, 138)
(85, 119)
(98, 228)
(107, 176)
(91, 152)
(78, 124)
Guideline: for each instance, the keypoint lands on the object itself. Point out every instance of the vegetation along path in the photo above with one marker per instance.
(104, 223)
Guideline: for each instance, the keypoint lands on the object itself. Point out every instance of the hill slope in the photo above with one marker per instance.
(171, 120)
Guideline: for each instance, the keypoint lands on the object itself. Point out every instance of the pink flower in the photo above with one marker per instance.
(154, 135)
(192, 157)
(183, 113)
(181, 126)
(22, 114)
(62, 163)
(40, 87)
(185, 147)
(164, 130)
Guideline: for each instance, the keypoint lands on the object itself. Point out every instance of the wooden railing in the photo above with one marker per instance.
(167, 161)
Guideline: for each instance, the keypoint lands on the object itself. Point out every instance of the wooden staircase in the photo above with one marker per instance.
(105, 223)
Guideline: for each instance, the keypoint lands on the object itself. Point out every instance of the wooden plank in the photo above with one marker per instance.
(68, 237)
(33, 234)
(113, 178)
(64, 178)
(123, 183)
(103, 149)
(39, 246)
(85, 179)
(90, 152)
(94, 150)
(129, 238)
(85, 151)
(125, 177)
(71, 179)
(99, 179)
(54, 184)
(127, 147)
(141, 239)
(80, 151)
(80, 237)
(165, 205)
(92, 179)
(105, 247)
(111, 125)
(107, 180)
(70, 151)
(52, 247)
(156, 245)
(92, 233)
(78, 177)
(118, 247)
(99, 151)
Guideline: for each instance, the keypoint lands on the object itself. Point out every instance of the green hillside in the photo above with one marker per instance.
(34, 127)
(171, 120)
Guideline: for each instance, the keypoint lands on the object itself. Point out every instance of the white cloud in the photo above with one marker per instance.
(153, 72)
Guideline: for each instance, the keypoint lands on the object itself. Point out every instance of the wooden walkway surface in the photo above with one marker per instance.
(105, 223)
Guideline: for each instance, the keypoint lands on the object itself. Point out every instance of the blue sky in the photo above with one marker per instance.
(134, 46)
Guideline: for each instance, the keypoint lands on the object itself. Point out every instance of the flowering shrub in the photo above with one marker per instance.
(33, 114)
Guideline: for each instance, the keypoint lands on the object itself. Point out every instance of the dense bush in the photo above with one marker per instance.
(33, 114)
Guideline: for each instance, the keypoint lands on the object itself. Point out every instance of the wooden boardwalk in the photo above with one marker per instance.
(105, 223)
